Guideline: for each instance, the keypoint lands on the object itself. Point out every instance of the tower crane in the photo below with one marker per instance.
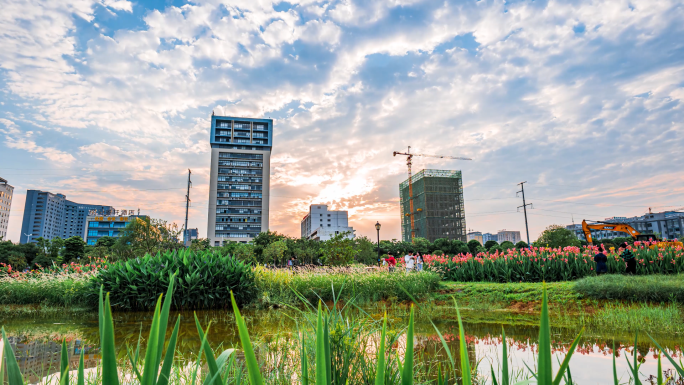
(409, 158)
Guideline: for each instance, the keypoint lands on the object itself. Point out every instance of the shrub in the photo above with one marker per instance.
(205, 280)
(657, 288)
(279, 286)
(489, 244)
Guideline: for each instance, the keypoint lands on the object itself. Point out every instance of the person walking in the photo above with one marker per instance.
(391, 262)
(411, 264)
(601, 260)
(419, 262)
(629, 258)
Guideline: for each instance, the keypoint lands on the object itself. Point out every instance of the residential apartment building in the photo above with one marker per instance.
(239, 181)
(98, 226)
(510, 236)
(6, 192)
(321, 224)
(50, 215)
(476, 235)
(489, 237)
(438, 210)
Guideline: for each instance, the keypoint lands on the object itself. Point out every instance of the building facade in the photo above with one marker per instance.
(437, 204)
(510, 236)
(239, 181)
(98, 226)
(489, 237)
(6, 193)
(476, 235)
(50, 215)
(321, 225)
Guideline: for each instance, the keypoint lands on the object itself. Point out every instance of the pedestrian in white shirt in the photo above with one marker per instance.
(411, 263)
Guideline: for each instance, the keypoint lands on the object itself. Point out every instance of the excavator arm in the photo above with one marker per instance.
(623, 227)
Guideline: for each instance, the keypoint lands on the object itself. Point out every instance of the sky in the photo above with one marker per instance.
(109, 102)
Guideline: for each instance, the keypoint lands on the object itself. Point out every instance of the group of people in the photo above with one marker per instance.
(412, 262)
(601, 259)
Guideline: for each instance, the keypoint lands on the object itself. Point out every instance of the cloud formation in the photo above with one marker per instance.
(582, 99)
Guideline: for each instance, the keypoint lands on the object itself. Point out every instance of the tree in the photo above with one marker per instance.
(441, 244)
(244, 252)
(365, 251)
(505, 245)
(148, 236)
(421, 245)
(263, 239)
(74, 248)
(338, 251)
(473, 244)
(200, 244)
(107, 242)
(521, 245)
(490, 243)
(557, 236)
(274, 253)
(459, 247)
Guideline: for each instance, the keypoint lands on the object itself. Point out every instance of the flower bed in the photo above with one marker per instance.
(539, 264)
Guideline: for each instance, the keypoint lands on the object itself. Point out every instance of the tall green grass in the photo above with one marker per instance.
(330, 355)
(53, 290)
(654, 288)
(275, 287)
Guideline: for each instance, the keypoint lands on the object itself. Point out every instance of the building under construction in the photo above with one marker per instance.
(437, 204)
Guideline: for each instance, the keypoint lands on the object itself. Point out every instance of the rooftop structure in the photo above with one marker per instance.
(321, 224)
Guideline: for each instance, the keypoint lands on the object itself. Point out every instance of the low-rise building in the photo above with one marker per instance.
(98, 226)
(489, 237)
(476, 235)
(510, 236)
(6, 192)
(321, 224)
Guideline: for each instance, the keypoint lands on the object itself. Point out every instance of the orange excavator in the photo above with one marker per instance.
(625, 228)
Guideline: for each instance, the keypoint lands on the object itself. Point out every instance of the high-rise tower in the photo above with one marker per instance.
(239, 181)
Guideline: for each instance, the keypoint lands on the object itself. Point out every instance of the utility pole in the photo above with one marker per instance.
(186, 235)
(524, 206)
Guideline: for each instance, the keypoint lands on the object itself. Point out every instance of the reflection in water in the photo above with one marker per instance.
(41, 358)
(39, 342)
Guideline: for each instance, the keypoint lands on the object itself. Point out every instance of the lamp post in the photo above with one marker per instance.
(377, 227)
(29, 237)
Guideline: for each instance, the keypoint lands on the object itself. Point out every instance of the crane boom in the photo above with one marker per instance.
(409, 158)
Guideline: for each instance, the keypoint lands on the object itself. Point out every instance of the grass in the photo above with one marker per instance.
(480, 295)
(276, 287)
(62, 290)
(651, 288)
(661, 319)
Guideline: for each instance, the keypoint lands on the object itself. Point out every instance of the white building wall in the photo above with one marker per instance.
(6, 193)
(322, 224)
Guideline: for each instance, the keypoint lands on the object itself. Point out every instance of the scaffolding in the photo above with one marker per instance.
(438, 206)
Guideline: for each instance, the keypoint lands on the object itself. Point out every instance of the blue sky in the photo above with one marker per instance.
(109, 102)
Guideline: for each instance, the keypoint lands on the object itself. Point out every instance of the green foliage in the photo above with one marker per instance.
(438, 252)
(205, 280)
(10, 251)
(473, 244)
(365, 251)
(200, 244)
(653, 288)
(338, 251)
(274, 253)
(147, 236)
(50, 290)
(521, 245)
(276, 287)
(491, 243)
(421, 245)
(557, 236)
(74, 248)
(505, 245)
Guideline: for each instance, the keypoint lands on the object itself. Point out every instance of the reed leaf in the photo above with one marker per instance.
(463, 347)
(544, 368)
(80, 376)
(211, 360)
(407, 372)
(13, 373)
(380, 367)
(149, 373)
(677, 367)
(616, 381)
(321, 367)
(64, 365)
(253, 372)
(660, 371)
(164, 320)
(304, 366)
(505, 379)
(110, 374)
(168, 359)
(566, 361)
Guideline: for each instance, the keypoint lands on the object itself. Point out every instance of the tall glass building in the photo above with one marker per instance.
(438, 210)
(239, 181)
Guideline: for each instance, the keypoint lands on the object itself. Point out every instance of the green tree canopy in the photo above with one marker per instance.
(557, 236)
(507, 245)
(490, 243)
(473, 244)
(74, 249)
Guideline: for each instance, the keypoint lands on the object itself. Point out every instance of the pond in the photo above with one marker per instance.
(37, 341)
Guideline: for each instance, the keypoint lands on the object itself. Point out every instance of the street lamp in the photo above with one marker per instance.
(29, 237)
(377, 227)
